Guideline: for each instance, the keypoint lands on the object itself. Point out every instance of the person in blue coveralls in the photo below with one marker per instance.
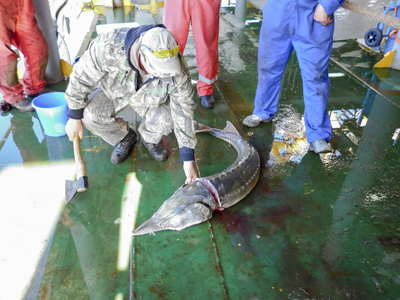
(307, 27)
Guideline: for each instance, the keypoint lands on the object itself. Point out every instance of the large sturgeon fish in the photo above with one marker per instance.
(194, 203)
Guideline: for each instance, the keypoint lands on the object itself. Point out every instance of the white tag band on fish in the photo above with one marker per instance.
(213, 191)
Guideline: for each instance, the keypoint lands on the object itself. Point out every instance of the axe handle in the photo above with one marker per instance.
(79, 163)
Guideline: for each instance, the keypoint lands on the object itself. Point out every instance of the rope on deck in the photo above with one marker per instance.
(372, 15)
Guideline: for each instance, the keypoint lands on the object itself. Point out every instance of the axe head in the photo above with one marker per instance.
(74, 186)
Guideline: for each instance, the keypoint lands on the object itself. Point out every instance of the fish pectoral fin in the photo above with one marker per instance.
(203, 128)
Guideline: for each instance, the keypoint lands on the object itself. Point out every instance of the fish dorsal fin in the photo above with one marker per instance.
(230, 128)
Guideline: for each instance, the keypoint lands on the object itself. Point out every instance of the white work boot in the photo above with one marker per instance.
(253, 121)
(320, 146)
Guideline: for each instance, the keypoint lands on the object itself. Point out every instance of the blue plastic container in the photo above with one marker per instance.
(52, 110)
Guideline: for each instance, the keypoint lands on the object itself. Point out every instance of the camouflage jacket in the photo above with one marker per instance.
(105, 63)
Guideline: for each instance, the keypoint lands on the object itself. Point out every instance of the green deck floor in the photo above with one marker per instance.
(322, 228)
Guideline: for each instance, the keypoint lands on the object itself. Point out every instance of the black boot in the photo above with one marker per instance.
(5, 107)
(124, 148)
(207, 101)
(45, 90)
(156, 150)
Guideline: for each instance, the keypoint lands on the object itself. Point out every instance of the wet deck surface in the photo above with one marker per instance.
(314, 227)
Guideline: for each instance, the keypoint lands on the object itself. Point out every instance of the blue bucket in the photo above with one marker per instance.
(52, 110)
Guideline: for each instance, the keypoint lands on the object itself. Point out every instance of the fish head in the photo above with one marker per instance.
(191, 204)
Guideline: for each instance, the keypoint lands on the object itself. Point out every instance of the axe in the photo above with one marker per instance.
(81, 182)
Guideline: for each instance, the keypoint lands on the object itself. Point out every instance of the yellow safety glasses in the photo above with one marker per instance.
(164, 53)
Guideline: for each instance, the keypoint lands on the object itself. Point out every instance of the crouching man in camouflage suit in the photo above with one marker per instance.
(140, 67)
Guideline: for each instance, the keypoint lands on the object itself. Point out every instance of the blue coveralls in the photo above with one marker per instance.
(288, 25)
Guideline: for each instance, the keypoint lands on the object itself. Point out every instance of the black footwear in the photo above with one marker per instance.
(124, 148)
(44, 91)
(207, 101)
(5, 107)
(24, 105)
(156, 150)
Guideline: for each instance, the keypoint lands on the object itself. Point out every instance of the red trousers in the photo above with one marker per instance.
(203, 15)
(18, 27)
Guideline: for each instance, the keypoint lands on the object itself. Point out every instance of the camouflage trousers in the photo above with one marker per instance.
(100, 117)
